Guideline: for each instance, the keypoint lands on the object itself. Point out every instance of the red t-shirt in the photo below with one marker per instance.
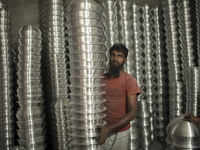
(117, 90)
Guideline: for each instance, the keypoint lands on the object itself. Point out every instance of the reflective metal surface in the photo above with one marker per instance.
(29, 90)
(183, 134)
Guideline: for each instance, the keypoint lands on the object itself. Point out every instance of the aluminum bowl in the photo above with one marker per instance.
(86, 47)
(88, 81)
(82, 140)
(84, 147)
(86, 64)
(54, 40)
(29, 58)
(29, 91)
(91, 132)
(87, 56)
(84, 5)
(29, 49)
(33, 142)
(30, 31)
(23, 83)
(85, 89)
(89, 39)
(53, 29)
(71, 15)
(25, 75)
(4, 13)
(49, 24)
(87, 108)
(87, 30)
(30, 114)
(85, 115)
(52, 2)
(17, 148)
(50, 7)
(23, 135)
(86, 72)
(26, 67)
(4, 20)
(84, 22)
(183, 134)
(31, 104)
(93, 97)
(4, 28)
(57, 50)
(54, 34)
(30, 41)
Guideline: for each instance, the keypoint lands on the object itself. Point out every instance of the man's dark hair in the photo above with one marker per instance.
(120, 48)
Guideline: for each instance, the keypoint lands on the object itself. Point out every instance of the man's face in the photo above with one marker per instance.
(117, 59)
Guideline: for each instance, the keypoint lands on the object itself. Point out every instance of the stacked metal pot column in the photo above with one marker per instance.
(193, 103)
(87, 54)
(6, 106)
(30, 115)
(54, 52)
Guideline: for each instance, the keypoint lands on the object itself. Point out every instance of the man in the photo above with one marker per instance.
(121, 94)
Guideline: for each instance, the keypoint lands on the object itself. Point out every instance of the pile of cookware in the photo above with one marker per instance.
(143, 126)
(30, 115)
(85, 36)
(55, 73)
(193, 103)
(6, 103)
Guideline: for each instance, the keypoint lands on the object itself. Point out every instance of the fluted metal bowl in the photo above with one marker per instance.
(91, 132)
(86, 47)
(84, 22)
(86, 89)
(29, 49)
(89, 81)
(30, 31)
(87, 56)
(86, 71)
(86, 64)
(84, 5)
(83, 14)
(94, 39)
(85, 30)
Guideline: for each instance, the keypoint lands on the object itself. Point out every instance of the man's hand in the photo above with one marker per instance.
(104, 132)
(191, 118)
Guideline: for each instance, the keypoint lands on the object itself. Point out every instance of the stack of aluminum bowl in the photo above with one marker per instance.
(176, 106)
(30, 115)
(173, 57)
(182, 135)
(144, 125)
(150, 66)
(85, 32)
(193, 103)
(111, 24)
(134, 135)
(197, 8)
(54, 52)
(161, 76)
(6, 106)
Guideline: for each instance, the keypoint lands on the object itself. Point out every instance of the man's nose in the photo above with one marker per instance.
(116, 57)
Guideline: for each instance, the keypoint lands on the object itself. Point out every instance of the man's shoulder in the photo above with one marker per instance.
(128, 76)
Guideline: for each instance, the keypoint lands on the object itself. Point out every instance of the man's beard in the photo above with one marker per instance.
(114, 71)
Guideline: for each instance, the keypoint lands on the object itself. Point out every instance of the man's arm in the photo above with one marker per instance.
(105, 130)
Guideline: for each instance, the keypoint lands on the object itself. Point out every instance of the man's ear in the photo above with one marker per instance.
(125, 60)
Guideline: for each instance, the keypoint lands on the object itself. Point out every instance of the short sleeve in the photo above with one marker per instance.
(132, 86)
